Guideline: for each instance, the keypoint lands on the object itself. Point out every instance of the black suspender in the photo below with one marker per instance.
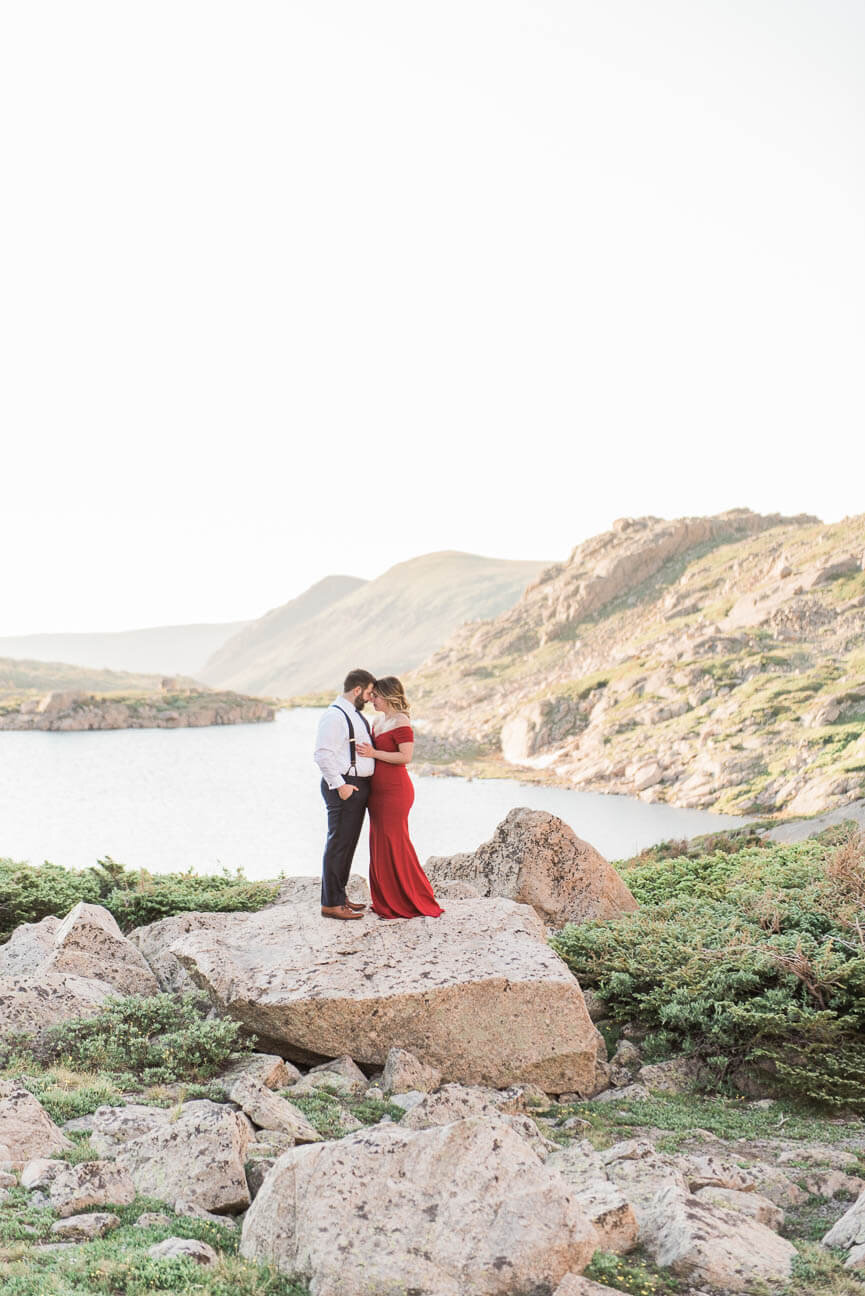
(352, 742)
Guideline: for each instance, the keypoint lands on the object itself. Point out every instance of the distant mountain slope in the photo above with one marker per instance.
(709, 662)
(261, 640)
(23, 679)
(387, 625)
(167, 650)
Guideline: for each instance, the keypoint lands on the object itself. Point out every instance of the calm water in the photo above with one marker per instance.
(247, 796)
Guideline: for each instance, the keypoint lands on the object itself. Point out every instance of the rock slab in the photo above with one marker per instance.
(476, 994)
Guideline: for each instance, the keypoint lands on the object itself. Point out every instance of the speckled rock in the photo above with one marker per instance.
(537, 859)
(404, 1072)
(26, 1129)
(466, 1209)
(710, 1171)
(84, 1228)
(197, 1158)
(711, 1245)
(752, 1204)
(849, 1230)
(30, 1004)
(155, 940)
(190, 1248)
(478, 993)
(111, 1127)
(458, 1102)
(74, 1188)
(89, 943)
(355, 1082)
(269, 1111)
(307, 889)
(268, 1069)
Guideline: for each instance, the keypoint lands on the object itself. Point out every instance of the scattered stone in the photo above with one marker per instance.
(714, 1172)
(639, 1171)
(856, 1258)
(39, 1172)
(269, 1069)
(155, 941)
(849, 1230)
(7, 1180)
(152, 1219)
(474, 1189)
(834, 1183)
(84, 1228)
(189, 1248)
(626, 1054)
(198, 1158)
(257, 1170)
(677, 1075)
(403, 1072)
(629, 1093)
(712, 1245)
(752, 1204)
(374, 1092)
(319, 987)
(612, 1214)
(535, 858)
(407, 1100)
(74, 1188)
(111, 1127)
(773, 1183)
(268, 1110)
(192, 1210)
(26, 1129)
(354, 1080)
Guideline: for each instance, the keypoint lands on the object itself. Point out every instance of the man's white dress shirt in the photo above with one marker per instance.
(332, 751)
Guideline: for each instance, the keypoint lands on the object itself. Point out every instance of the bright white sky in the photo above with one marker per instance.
(503, 269)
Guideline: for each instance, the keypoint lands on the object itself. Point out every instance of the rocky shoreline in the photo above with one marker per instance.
(431, 1108)
(69, 711)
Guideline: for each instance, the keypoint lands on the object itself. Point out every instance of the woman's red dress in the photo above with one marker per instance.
(398, 885)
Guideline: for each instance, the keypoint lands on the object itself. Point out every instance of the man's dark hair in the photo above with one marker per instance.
(357, 679)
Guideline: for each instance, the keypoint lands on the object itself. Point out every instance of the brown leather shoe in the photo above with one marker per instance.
(359, 908)
(339, 911)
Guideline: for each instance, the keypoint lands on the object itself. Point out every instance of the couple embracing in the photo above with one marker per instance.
(364, 769)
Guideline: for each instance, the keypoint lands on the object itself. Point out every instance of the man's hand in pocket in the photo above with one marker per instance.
(345, 791)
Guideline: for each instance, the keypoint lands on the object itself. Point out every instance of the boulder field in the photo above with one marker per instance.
(436, 1046)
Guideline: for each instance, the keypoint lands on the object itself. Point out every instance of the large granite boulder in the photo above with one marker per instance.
(478, 993)
(465, 1209)
(535, 858)
(26, 1129)
(198, 1158)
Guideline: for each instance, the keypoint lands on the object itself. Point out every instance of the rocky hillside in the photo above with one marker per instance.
(387, 625)
(710, 662)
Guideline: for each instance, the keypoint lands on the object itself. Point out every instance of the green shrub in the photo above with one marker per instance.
(755, 957)
(158, 1039)
(135, 897)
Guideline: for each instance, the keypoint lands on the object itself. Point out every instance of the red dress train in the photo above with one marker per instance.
(398, 885)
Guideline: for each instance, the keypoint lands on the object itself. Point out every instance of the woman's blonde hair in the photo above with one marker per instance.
(390, 690)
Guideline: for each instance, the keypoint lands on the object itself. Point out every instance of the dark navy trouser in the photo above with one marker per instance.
(344, 822)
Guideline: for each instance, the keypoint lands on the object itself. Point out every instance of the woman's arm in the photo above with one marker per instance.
(401, 757)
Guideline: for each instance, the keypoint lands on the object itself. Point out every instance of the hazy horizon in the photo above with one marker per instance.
(295, 290)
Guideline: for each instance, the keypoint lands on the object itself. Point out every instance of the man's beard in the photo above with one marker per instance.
(360, 704)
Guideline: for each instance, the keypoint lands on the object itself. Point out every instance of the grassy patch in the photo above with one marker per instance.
(633, 1273)
(324, 1110)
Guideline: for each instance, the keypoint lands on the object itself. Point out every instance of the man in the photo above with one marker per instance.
(345, 787)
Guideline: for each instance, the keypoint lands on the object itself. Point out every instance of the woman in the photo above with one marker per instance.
(398, 885)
